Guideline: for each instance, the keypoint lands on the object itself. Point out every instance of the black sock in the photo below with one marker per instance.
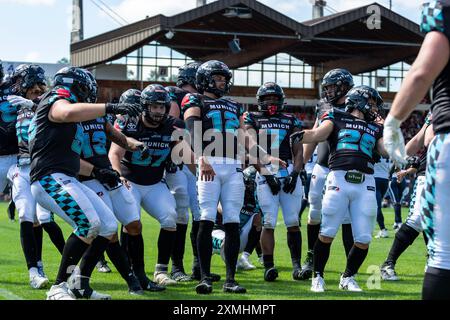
(136, 254)
(72, 253)
(398, 212)
(28, 244)
(355, 259)
(258, 247)
(37, 231)
(92, 256)
(231, 250)
(166, 240)
(124, 240)
(253, 239)
(193, 235)
(178, 248)
(321, 255)
(55, 234)
(268, 261)
(204, 246)
(404, 237)
(347, 238)
(313, 233)
(294, 241)
(120, 259)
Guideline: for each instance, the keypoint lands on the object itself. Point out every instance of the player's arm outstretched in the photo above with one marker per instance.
(63, 111)
(122, 140)
(314, 135)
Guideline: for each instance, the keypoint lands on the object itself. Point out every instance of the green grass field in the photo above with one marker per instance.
(410, 267)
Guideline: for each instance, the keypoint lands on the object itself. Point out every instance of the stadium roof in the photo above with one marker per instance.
(203, 33)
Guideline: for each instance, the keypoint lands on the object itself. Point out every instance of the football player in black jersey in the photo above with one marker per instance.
(181, 181)
(97, 174)
(56, 140)
(335, 85)
(214, 124)
(8, 139)
(412, 227)
(430, 69)
(278, 188)
(350, 186)
(28, 83)
(144, 172)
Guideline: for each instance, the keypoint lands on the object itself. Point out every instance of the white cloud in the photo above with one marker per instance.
(134, 10)
(30, 2)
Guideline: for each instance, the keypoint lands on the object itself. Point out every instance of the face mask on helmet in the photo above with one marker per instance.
(362, 99)
(157, 96)
(26, 76)
(207, 78)
(335, 84)
(436, 17)
(270, 97)
(155, 117)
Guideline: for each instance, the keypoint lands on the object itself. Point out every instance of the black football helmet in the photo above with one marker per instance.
(155, 94)
(204, 77)
(270, 106)
(25, 76)
(358, 97)
(131, 96)
(341, 79)
(94, 94)
(187, 74)
(78, 81)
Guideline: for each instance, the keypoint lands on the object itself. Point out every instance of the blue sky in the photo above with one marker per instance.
(39, 30)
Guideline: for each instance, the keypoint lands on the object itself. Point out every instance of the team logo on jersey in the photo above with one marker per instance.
(131, 126)
(333, 188)
(100, 194)
(370, 188)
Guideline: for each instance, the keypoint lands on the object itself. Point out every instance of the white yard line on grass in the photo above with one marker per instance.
(9, 295)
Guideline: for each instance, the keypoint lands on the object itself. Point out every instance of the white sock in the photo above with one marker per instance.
(245, 255)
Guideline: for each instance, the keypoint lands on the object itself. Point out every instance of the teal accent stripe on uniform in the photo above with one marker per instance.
(428, 199)
(67, 204)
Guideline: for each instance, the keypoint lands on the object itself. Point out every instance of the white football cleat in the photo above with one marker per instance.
(318, 284)
(382, 234)
(388, 272)
(37, 281)
(163, 279)
(244, 264)
(349, 284)
(59, 292)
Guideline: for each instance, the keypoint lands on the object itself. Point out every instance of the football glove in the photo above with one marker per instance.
(274, 183)
(108, 177)
(290, 182)
(18, 101)
(133, 110)
(394, 142)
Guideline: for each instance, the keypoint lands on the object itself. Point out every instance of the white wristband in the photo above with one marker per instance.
(392, 121)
